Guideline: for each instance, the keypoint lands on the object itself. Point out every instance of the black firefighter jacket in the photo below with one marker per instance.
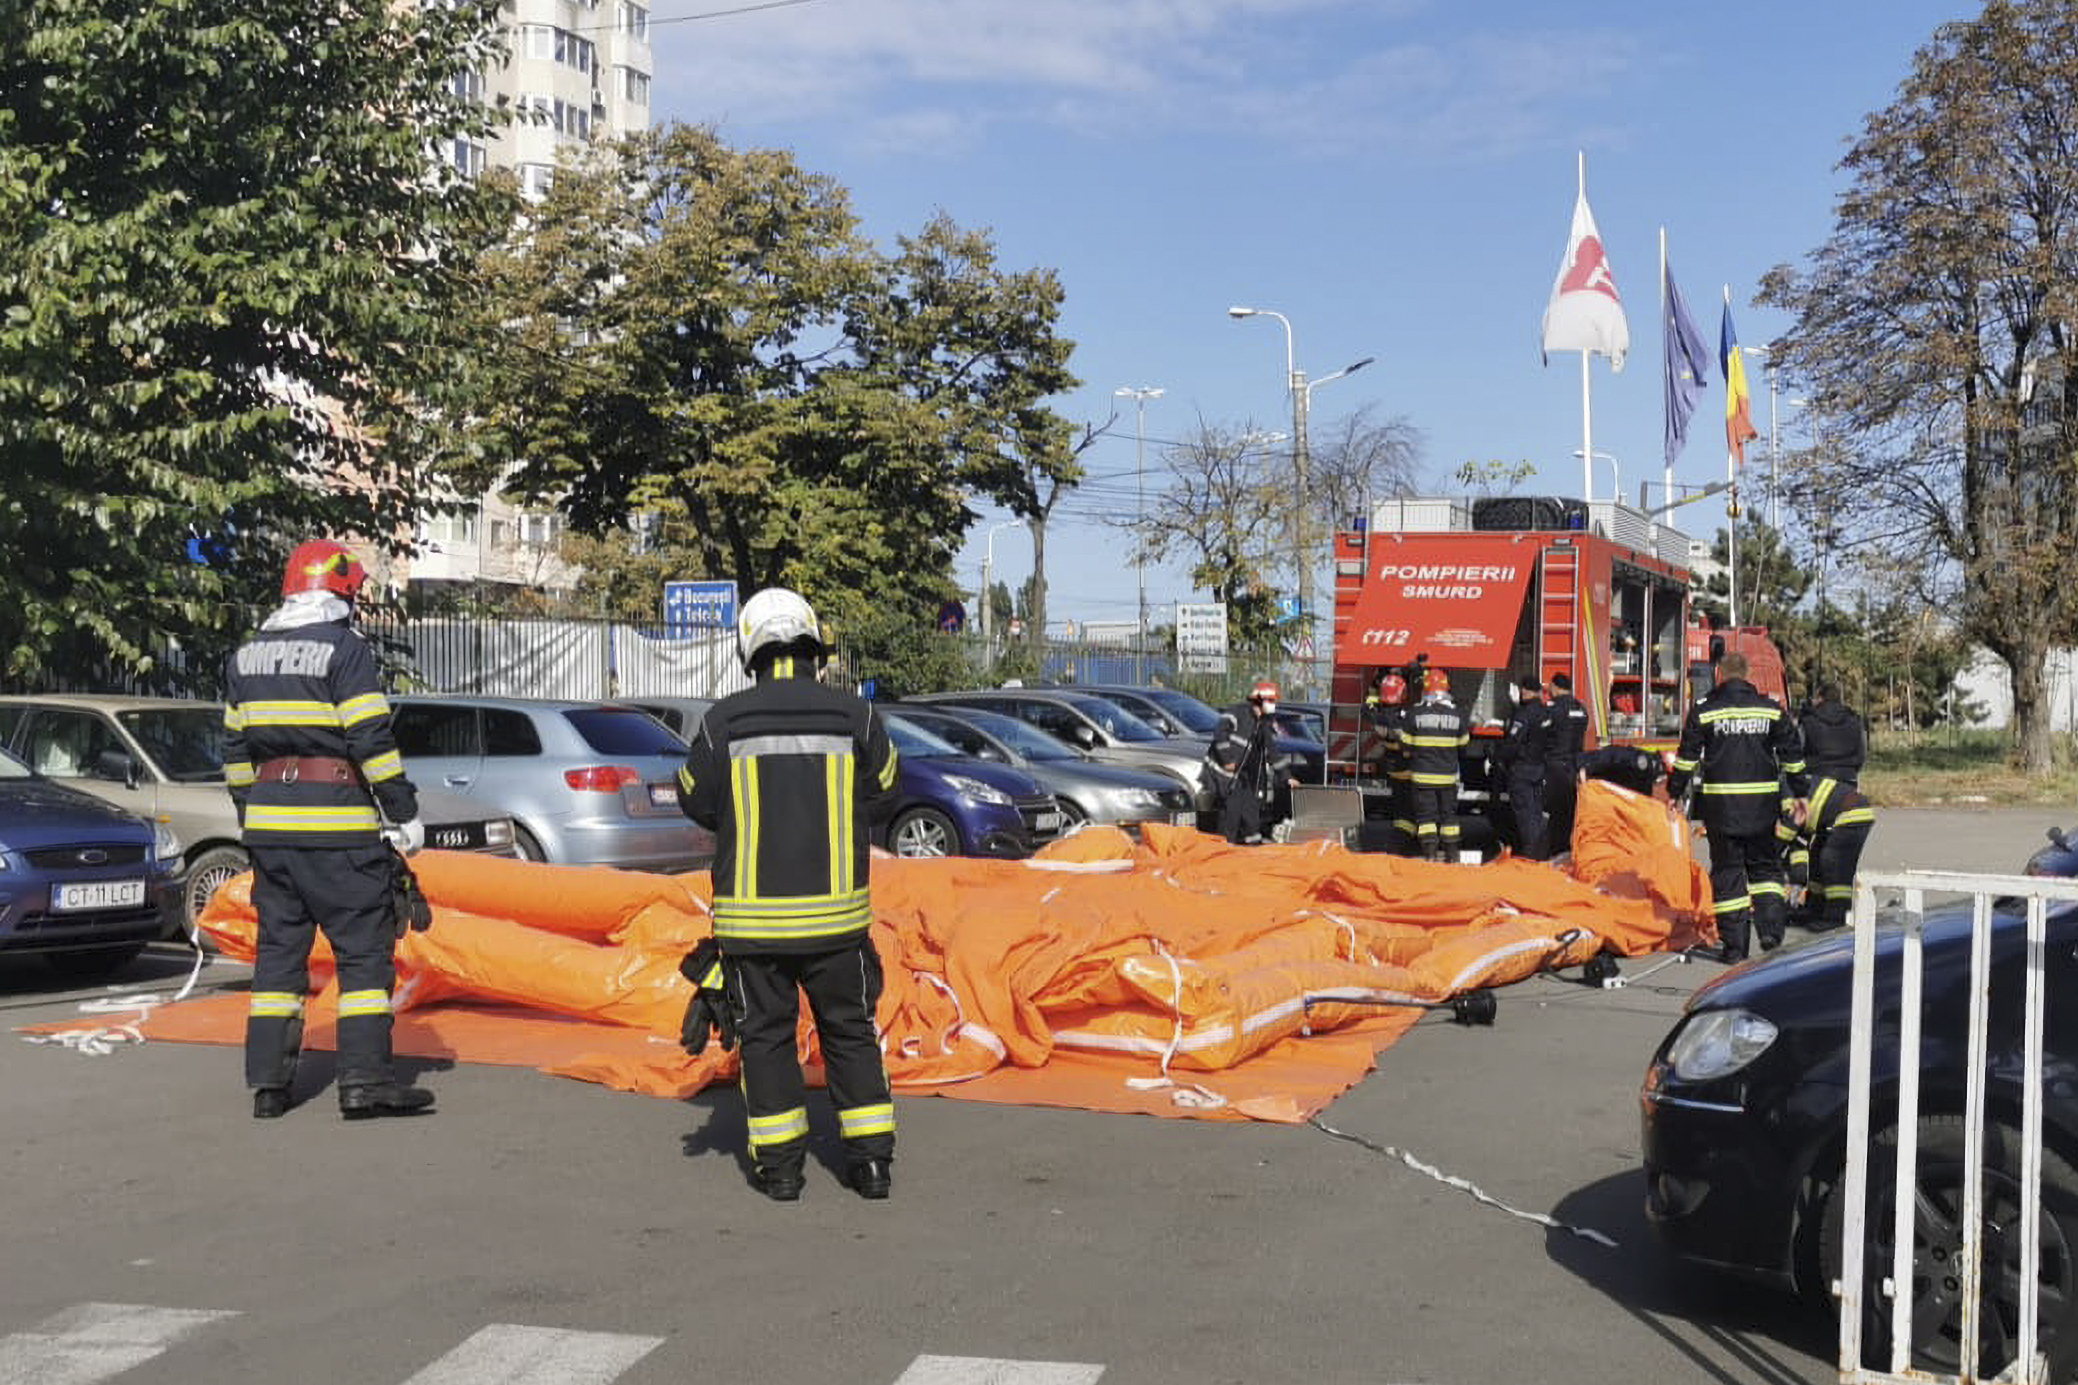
(789, 776)
(1435, 731)
(1741, 747)
(311, 691)
(1244, 754)
(1835, 743)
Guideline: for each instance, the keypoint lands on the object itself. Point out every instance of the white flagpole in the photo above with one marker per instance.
(1666, 364)
(1587, 426)
(1731, 477)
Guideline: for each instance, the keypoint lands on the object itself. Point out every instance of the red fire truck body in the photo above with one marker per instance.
(1490, 590)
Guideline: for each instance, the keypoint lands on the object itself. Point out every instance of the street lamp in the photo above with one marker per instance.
(1302, 407)
(1615, 474)
(1140, 394)
(988, 582)
(1695, 493)
(1774, 470)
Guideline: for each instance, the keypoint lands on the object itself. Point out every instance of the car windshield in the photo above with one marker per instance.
(1185, 708)
(1115, 720)
(912, 740)
(624, 731)
(1021, 736)
(186, 743)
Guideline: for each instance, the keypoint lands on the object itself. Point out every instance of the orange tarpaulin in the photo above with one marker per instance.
(1176, 974)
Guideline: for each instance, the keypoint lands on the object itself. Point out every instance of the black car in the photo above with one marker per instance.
(1744, 1120)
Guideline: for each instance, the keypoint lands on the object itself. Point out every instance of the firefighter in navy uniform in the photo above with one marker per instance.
(1524, 749)
(1246, 767)
(1435, 733)
(311, 761)
(1387, 710)
(1562, 758)
(789, 774)
(1836, 825)
(1741, 748)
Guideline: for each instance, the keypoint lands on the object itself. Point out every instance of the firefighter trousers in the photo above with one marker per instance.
(1561, 797)
(843, 987)
(1435, 820)
(1746, 883)
(1526, 806)
(1241, 814)
(1835, 857)
(345, 891)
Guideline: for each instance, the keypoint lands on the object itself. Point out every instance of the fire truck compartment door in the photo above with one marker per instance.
(1459, 608)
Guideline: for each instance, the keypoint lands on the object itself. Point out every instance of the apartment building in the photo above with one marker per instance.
(579, 73)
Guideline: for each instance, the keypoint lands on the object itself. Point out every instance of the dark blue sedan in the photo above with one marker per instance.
(82, 883)
(951, 804)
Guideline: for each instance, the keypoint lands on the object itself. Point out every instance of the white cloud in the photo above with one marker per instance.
(917, 76)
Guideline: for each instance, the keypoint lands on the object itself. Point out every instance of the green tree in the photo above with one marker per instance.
(703, 334)
(1220, 507)
(229, 302)
(1935, 327)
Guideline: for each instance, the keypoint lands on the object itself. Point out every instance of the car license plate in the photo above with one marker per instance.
(1045, 822)
(1184, 819)
(97, 894)
(663, 795)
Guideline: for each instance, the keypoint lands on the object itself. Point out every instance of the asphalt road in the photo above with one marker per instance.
(613, 1238)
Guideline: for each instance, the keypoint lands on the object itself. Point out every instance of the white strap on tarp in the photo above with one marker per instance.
(97, 1041)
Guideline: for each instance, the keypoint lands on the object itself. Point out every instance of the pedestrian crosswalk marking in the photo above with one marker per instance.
(94, 1341)
(986, 1370)
(506, 1354)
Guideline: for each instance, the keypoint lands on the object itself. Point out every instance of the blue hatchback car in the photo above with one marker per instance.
(949, 804)
(82, 883)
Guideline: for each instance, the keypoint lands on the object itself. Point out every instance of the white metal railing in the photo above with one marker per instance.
(2027, 1366)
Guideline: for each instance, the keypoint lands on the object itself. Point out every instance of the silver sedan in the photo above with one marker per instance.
(1088, 791)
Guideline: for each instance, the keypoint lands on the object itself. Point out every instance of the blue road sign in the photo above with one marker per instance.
(700, 605)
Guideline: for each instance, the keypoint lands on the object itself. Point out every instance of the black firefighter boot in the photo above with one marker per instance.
(271, 1094)
(368, 1085)
(364, 1100)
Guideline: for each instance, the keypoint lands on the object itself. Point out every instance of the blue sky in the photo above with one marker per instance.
(1395, 176)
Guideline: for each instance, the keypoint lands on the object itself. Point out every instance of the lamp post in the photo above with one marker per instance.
(1140, 394)
(1302, 407)
(988, 583)
(1615, 474)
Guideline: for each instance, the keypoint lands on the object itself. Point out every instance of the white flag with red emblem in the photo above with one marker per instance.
(1585, 313)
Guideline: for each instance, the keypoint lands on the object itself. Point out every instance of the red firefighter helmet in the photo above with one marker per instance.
(1435, 680)
(1392, 688)
(1264, 691)
(323, 566)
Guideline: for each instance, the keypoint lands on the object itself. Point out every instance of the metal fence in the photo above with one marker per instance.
(1906, 1280)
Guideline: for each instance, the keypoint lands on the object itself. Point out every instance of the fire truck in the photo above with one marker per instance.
(1493, 588)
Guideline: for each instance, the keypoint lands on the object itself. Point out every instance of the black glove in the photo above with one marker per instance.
(710, 1007)
(407, 902)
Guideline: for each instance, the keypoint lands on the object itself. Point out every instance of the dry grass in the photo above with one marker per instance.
(1972, 768)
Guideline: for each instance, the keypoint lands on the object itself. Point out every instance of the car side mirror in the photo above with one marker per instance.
(115, 764)
(1085, 737)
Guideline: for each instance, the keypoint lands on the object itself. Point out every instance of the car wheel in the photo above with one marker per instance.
(525, 846)
(207, 874)
(1072, 817)
(1937, 1239)
(923, 832)
(93, 963)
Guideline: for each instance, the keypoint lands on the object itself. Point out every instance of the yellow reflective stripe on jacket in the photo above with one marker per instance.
(784, 1128)
(353, 1003)
(837, 772)
(890, 770)
(234, 717)
(685, 779)
(755, 922)
(1855, 815)
(1685, 766)
(387, 765)
(286, 817)
(239, 773)
(271, 1004)
(1434, 742)
(743, 789)
(1765, 786)
(1434, 780)
(366, 707)
(1770, 712)
(1819, 797)
(290, 713)
(878, 1119)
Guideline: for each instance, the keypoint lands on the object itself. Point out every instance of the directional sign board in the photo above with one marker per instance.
(1201, 636)
(700, 605)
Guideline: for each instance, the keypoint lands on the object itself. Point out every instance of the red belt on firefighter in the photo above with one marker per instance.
(312, 769)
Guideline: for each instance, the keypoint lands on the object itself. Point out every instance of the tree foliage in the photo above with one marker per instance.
(1220, 508)
(1938, 329)
(702, 334)
(229, 292)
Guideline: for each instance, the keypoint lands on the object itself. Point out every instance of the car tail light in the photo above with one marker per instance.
(602, 778)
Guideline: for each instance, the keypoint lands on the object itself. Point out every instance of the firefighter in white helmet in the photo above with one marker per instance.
(788, 774)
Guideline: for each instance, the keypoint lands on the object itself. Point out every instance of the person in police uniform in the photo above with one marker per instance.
(311, 761)
(1524, 749)
(1568, 717)
(1741, 749)
(1435, 732)
(789, 775)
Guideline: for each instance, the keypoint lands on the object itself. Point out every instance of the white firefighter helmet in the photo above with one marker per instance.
(774, 616)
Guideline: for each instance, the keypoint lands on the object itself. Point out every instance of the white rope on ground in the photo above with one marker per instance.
(1462, 1184)
(98, 1041)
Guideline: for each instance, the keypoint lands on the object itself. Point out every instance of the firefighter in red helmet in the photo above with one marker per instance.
(311, 761)
(1246, 767)
(1435, 732)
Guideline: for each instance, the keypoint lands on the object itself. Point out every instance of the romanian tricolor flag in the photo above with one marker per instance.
(1738, 400)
